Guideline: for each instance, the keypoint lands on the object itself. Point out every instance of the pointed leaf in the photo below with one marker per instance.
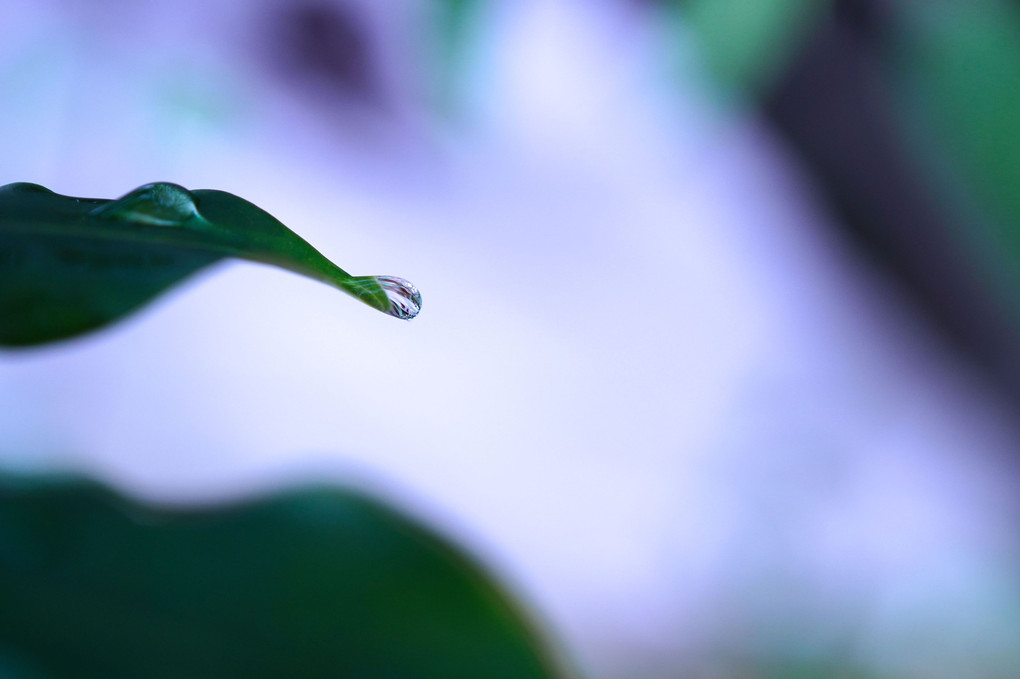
(71, 265)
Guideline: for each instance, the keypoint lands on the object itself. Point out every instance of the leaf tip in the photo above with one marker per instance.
(404, 298)
(389, 294)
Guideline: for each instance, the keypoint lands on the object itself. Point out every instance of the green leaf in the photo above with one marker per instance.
(317, 583)
(71, 265)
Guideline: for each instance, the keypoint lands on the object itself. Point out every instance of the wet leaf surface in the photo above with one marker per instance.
(72, 265)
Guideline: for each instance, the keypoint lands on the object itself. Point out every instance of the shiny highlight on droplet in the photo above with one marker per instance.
(405, 300)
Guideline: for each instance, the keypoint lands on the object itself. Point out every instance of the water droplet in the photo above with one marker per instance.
(405, 300)
(159, 204)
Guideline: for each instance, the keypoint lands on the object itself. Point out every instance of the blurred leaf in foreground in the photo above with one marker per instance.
(71, 265)
(317, 583)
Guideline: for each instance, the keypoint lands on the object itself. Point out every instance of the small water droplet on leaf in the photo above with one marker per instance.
(159, 204)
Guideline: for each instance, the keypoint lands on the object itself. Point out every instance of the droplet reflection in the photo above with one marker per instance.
(405, 300)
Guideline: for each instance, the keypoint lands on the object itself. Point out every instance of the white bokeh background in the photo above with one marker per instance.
(649, 386)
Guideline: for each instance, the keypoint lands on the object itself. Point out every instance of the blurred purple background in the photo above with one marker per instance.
(700, 371)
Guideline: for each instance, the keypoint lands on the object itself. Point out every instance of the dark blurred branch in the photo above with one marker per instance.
(835, 108)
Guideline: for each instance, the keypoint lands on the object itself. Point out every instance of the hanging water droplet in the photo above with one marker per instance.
(405, 300)
(389, 294)
(159, 204)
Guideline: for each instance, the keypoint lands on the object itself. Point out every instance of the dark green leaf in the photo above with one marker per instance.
(71, 265)
(319, 583)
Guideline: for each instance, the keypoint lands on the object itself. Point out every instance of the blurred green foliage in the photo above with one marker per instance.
(744, 44)
(317, 583)
(456, 24)
(959, 67)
